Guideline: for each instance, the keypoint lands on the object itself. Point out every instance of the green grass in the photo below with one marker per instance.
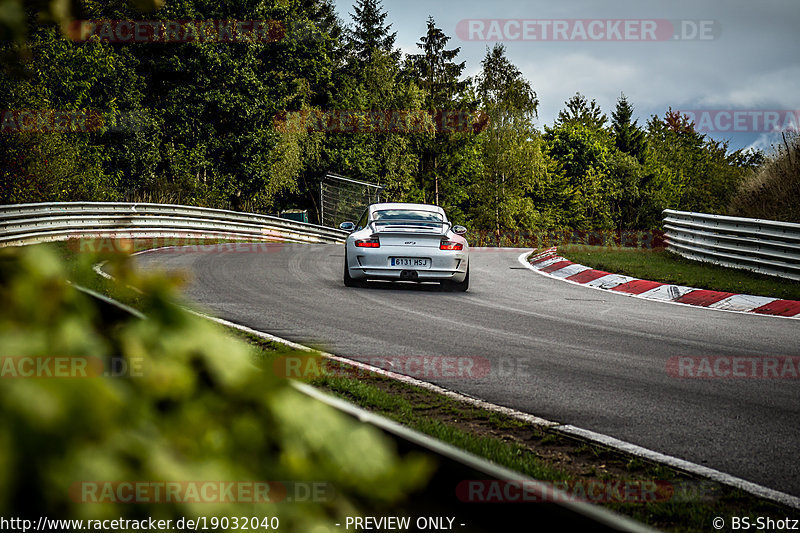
(415, 416)
(664, 266)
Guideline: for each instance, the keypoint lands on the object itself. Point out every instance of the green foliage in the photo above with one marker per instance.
(583, 152)
(773, 191)
(197, 410)
(578, 110)
(691, 172)
(447, 157)
(438, 74)
(370, 33)
(203, 112)
(378, 157)
(512, 162)
(628, 137)
(578, 147)
(502, 86)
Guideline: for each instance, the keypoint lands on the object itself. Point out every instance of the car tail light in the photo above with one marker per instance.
(450, 245)
(368, 243)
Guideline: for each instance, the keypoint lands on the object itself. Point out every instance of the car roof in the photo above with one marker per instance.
(401, 205)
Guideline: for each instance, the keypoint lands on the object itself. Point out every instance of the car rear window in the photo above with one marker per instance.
(408, 216)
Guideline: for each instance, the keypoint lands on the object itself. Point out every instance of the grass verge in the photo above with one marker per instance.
(661, 265)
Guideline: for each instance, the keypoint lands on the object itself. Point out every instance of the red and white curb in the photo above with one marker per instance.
(550, 264)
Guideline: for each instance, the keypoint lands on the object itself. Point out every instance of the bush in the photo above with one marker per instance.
(773, 191)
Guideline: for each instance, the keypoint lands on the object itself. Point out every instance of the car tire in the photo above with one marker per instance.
(348, 281)
(458, 286)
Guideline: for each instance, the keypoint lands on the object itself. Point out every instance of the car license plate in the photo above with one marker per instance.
(411, 262)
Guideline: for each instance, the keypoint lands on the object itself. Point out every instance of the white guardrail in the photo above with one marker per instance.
(764, 246)
(31, 223)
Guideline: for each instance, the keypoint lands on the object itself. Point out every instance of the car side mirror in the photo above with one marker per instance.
(347, 226)
(459, 230)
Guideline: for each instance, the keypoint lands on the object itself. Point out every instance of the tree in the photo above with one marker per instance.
(205, 132)
(582, 152)
(686, 170)
(510, 147)
(628, 137)
(379, 156)
(680, 124)
(369, 33)
(578, 110)
(438, 75)
(502, 86)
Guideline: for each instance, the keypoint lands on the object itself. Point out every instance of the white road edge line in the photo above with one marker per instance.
(523, 259)
(599, 438)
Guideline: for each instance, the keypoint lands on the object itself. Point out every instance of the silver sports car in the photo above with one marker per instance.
(406, 242)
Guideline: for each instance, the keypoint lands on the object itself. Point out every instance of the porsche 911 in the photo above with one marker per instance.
(406, 242)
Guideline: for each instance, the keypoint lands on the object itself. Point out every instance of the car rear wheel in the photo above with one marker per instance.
(348, 281)
(458, 286)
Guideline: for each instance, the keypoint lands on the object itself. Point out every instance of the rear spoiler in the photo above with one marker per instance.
(406, 223)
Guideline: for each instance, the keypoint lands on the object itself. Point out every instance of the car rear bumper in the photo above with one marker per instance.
(375, 264)
(397, 274)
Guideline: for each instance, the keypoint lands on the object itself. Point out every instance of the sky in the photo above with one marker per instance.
(730, 55)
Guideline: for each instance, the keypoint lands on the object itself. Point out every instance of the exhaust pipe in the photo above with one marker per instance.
(408, 275)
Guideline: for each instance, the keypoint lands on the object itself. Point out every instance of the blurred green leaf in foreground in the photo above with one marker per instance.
(199, 409)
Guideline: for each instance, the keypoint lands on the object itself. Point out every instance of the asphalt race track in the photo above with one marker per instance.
(566, 353)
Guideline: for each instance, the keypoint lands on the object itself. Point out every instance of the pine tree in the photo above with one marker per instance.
(434, 69)
(628, 137)
(370, 33)
(580, 111)
(435, 72)
(438, 76)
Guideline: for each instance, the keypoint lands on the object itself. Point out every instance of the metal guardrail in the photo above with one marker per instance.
(764, 246)
(31, 223)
